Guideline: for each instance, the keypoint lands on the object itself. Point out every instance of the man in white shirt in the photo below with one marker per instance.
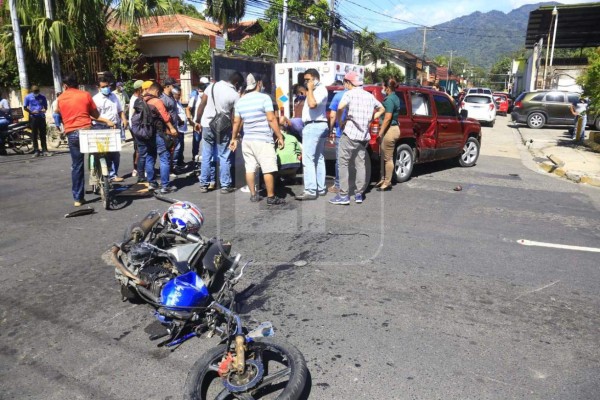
(138, 165)
(191, 111)
(314, 134)
(218, 97)
(111, 116)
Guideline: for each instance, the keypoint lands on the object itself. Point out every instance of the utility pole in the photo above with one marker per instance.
(450, 62)
(424, 29)
(23, 80)
(283, 51)
(56, 76)
(330, 32)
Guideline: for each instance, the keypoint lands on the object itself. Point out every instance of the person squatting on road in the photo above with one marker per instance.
(164, 139)
(219, 97)
(389, 133)
(314, 134)
(139, 164)
(111, 116)
(255, 112)
(36, 105)
(77, 108)
(352, 153)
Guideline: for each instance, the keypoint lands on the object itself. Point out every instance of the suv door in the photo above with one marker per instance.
(449, 128)
(554, 102)
(423, 124)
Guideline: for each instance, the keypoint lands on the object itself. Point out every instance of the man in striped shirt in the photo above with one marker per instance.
(255, 112)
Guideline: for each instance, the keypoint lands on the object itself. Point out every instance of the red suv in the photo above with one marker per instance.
(431, 128)
(502, 103)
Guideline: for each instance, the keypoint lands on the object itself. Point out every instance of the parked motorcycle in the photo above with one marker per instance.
(17, 137)
(187, 279)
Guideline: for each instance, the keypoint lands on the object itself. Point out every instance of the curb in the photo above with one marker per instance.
(553, 165)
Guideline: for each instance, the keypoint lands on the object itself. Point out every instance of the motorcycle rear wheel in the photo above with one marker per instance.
(105, 192)
(279, 359)
(22, 142)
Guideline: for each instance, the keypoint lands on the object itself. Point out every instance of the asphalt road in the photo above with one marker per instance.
(419, 293)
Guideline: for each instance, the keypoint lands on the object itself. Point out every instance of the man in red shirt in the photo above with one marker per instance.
(77, 109)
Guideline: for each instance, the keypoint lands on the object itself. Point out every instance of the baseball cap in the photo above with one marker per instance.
(204, 80)
(170, 81)
(353, 78)
(119, 84)
(250, 83)
(138, 84)
(147, 84)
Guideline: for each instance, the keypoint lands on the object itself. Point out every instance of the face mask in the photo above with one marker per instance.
(105, 90)
(262, 89)
(383, 92)
(36, 92)
(300, 97)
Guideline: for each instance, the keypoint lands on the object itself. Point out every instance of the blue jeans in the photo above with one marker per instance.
(196, 143)
(178, 152)
(142, 150)
(313, 160)
(210, 153)
(77, 179)
(57, 120)
(158, 148)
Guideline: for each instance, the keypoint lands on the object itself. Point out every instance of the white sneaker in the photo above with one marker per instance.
(245, 189)
(134, 173)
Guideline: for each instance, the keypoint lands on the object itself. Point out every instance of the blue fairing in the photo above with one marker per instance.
(187, 290)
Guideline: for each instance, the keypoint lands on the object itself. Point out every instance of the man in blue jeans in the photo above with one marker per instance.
(336, 134)
(314, 134)
(218, 97)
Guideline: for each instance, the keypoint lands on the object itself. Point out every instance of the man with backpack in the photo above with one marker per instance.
(215, 116)
(153, 124)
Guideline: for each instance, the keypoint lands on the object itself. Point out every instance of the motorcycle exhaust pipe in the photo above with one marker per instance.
(119, 265)
(148, 294)
(140, 230)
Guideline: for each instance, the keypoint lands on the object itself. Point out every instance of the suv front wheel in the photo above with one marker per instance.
(403, 163)
(536, 120)
(470, 153)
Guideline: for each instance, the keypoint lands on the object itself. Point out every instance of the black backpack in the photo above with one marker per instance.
(142, 124)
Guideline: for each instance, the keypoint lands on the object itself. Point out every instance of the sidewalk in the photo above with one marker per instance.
(554, 152)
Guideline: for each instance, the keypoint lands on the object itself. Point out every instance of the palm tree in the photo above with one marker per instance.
(365, 41)
(225, 12)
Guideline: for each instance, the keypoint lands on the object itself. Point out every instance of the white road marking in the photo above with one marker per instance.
(526, 242)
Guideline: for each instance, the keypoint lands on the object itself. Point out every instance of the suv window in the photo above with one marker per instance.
(555, 97)
(444, 106)
(403, 110)
(420, 104)
(573, 98)
(538, 97)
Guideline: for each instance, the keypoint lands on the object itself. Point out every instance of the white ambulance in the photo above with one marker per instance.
(289, 74)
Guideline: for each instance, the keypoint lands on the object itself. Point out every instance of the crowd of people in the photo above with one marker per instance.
(225, 116)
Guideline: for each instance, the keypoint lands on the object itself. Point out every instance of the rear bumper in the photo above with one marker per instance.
(516, 117)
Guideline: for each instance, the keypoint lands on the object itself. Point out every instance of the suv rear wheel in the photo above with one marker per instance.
(536, 120)
(470, 153)
(403, 163)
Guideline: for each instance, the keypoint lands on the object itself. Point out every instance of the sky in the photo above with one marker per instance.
(422, 12)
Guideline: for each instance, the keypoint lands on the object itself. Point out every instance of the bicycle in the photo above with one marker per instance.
(55, 137)
(97, 143)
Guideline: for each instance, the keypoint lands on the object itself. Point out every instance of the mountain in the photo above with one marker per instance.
(482, 38)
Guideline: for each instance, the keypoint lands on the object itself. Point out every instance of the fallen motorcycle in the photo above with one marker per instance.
(163, 262)
(186, 278)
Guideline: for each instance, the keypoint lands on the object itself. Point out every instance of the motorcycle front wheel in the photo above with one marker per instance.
(105, 192)
(274, 370)
(22, 142)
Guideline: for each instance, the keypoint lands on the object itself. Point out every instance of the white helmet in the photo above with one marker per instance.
(185, 215)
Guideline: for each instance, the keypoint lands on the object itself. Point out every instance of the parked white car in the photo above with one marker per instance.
(478, 90)
(481, 107)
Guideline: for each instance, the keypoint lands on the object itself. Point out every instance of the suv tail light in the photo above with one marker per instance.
(492, 106)
(518, 104)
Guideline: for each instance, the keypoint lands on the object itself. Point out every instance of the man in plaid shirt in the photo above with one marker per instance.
(352, 152)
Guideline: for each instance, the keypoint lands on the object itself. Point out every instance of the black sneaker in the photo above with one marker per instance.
(152, 185)
(227, 189)
(275, 201)
(256, 198)
(203, 189)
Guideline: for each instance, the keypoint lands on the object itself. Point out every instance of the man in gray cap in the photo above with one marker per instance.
(255, 111)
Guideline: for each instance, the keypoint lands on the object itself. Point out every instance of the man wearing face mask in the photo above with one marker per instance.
(36, 105)
(314, 134)
(111, 116)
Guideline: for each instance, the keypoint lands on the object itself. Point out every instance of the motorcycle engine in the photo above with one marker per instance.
(151, 269)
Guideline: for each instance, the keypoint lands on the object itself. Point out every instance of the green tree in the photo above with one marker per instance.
(181, 7)
(124, 58)
(225, 12)
(263, 43)
(499, 71)
(197, 61)
(590, 81)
